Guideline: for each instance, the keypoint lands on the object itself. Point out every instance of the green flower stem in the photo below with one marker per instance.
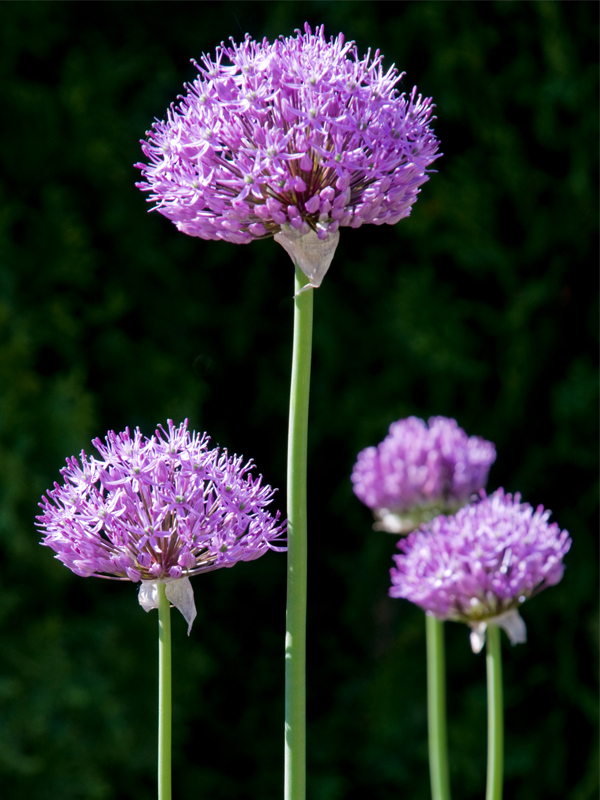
(495, 765)
(164, 694)
(295, 637)
(436, 709)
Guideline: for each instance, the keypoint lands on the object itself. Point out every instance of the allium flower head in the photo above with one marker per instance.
(480, 565)
(158, 509)
(420, 471)
(295, 136)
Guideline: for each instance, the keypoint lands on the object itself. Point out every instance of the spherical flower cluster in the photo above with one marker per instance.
(163, 508)
(480, 565)
(419, 471)
(297, 135)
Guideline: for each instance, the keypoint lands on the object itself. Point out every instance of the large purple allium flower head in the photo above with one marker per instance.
(419, 471)
(480, 565)
(162, 508)
(289, 139)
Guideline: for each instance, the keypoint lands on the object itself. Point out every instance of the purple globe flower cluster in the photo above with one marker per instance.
(163, 508)
(480, 565)
(421, 470)
(299, 135)
(474, 563)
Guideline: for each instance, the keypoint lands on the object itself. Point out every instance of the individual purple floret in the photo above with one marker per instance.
(158, 509)
(420, 471)
(480, 565)
(295, 136)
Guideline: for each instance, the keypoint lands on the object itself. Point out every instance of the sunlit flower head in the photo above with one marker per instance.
(421, 470)
(160, 508)
(481, 564)
(293, 136)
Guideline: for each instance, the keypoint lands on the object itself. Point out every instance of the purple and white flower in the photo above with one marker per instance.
(290, 138)
(421, 470)
(162, 508)
(480, 565)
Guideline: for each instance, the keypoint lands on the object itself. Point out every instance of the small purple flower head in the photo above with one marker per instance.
(158, 509)
(292, 137)
(420, 471)
(480, 565)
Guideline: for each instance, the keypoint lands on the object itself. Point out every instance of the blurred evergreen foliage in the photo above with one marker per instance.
(481, 306)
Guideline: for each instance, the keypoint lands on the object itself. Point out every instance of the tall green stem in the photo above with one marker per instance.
(495, 764)
(295, 637)
(164, 694)
(436, 709)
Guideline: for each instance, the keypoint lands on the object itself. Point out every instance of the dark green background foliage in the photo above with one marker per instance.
(481, 306)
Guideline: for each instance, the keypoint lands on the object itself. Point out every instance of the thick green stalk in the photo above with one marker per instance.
(164, 694)
(295, 637)
(495, 765)
(436, 709)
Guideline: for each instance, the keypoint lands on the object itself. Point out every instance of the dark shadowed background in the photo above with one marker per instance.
(482, 306)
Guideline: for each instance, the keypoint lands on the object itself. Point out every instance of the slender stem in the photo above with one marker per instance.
(495, 765)
(295, 637)
(436, 709)
(164, 694)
